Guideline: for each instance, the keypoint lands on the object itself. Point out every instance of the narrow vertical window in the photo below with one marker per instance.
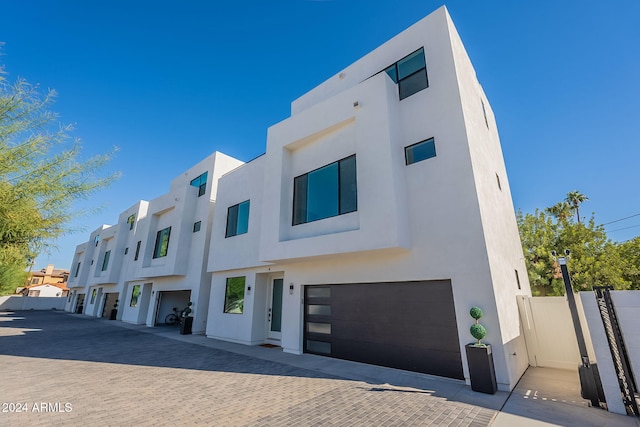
(105, 261)
(517, 279)
(484, 113)
(498, 180)
(135, 293)
(77, 269)
(162, 243)
(135, 258)
(131, 220)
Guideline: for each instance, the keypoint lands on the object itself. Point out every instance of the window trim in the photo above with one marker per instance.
(296, 218)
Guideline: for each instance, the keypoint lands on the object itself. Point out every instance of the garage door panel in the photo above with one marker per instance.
(406, 325)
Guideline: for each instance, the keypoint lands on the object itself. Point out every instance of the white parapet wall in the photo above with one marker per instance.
(15, 303)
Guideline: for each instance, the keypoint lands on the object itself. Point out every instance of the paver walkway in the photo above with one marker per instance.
(73, 370)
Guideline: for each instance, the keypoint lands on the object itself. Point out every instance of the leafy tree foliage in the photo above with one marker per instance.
(595, 260)
(41, 175)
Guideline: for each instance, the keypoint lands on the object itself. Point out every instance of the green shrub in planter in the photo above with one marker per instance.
(477, 330)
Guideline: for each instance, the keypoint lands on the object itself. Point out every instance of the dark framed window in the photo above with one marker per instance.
(325, 192)
(135, 293)
(105, 261)
(131, 220)
(96, 240)
(77, 269)
(410, 73)
(200, 183)
(420, 151)
(93, 295)
(196, 226)
(517, 279)
(237, 219)
(162, 243)
(126, 251)
(135, 258)
(234, 295)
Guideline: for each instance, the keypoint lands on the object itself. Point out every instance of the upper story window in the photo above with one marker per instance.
(162, 243)
(131, 220)
(420, 151)
(77, 270)
(238, 219)
(201, 183)
(410, 73)
(135, 258)
(97, 239)
(325, 192)
(105, 261)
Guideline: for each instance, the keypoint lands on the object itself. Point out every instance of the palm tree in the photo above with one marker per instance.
(560, 210)
(574, 198)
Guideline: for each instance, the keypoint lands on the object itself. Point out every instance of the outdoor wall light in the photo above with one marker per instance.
(291, 289)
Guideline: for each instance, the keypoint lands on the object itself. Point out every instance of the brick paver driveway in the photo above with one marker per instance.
(62, 369)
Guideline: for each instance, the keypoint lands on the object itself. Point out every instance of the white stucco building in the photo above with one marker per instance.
(378, 216)
(154, 258)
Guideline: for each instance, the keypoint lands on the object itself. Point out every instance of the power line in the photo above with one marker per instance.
(625, 228)
(621, 219)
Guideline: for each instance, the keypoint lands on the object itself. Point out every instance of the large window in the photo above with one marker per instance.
(201, 183)
(420, 151)
(105, 261)
(234, 295)
(238, 219)
(325, 192)
(135, 294)
(162, 243)
(410, 73)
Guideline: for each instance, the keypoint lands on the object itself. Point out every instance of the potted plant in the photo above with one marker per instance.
(479, 358)
(187, 320)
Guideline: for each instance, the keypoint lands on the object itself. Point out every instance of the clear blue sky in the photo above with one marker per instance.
(170, 82)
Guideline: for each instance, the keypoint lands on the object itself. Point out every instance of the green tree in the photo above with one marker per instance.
(41, 175)
(574, 199)
(595, 260)
(629, 255)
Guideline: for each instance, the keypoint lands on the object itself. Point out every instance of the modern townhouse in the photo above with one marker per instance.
(154, 258)
(378, 216)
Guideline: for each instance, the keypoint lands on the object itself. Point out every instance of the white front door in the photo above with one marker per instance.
(274, 309)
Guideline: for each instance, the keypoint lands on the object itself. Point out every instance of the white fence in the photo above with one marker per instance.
(14, 303)
(551, 338)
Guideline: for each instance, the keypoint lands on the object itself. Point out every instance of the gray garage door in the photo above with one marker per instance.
(405, 325)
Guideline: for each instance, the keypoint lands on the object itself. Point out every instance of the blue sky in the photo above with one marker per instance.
(170, 82)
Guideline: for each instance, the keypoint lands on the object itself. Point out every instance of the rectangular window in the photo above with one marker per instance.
(484, 113)
(96, 240)
(238, 219)
(34, 281)
(420, 151)
(517, 279)
(77, 269)
(196, 226)
(162, 243)
(234, 295)
(93, 295)
(325, 192)
(135, 293)
(131, 220)
(135, 258)
(105, 261)
(126, 251)
(200, 183)
(410, 73)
